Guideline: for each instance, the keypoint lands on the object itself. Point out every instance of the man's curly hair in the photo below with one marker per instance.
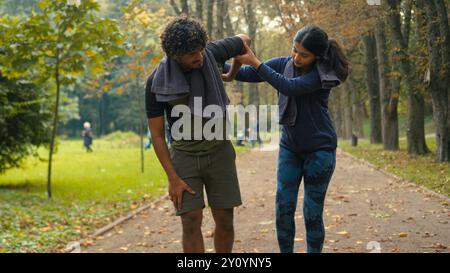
(183, 35)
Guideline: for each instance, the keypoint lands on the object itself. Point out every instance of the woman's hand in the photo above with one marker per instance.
(248, 58)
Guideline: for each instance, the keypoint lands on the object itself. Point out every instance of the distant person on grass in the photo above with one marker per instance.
(148, 144)
(308, 139)
(87, 137)
(190, 69)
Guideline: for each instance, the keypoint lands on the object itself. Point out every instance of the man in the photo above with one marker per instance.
(190, 69)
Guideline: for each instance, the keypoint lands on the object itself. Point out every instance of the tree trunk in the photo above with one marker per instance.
(184, 7)
(142, 120)
(228, 25)
(356, 108)
(388, 96)
(210, 18)
(199, 9)
(336, 110)
(55, 126)
(220, 7)
(347, 110)
(439, 62)
(252, 25)
(373, 88)
(415, 132)
(229, 30)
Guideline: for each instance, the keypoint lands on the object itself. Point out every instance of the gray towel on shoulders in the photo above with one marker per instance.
(170, 84)
(287, 104)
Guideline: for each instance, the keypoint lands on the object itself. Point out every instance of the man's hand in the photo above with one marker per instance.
(246, 39)
(227, 77)
(176, 189)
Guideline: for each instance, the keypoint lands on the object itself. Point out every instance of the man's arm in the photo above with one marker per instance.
(227, 48)
(176, 185)
(235, 65)
(155, 114)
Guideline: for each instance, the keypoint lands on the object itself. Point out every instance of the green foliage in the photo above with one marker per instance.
(61, 36)
(24, 121)
(58, 43)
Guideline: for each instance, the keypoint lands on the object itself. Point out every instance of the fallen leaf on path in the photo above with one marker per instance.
(403, 234)
(395, 249)
(88, 243)
(343, 233)
(436, 246)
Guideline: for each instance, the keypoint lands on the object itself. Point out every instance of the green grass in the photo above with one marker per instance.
(422, 170)
(89, 190)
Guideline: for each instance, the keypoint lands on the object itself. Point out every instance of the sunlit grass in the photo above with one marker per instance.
(422, 170)
(89, 190)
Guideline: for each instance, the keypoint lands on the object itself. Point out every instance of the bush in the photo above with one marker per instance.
(24, 121)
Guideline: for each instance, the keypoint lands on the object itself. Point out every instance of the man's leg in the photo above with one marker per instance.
(192, 231)
(224, 232)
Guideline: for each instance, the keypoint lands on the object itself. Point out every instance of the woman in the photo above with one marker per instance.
(87, 136)
(308, 140)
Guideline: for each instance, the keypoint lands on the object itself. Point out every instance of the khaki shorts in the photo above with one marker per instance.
(214, 172)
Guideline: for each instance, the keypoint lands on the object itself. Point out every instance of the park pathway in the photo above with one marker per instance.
(365, 210)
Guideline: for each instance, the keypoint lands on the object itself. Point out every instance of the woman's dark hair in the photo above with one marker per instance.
(329, 52)
(183, 35)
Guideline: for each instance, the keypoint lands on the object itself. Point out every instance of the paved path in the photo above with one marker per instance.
(364, 209)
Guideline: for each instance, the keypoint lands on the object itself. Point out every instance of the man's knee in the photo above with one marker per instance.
(224, 219)
(192, 221)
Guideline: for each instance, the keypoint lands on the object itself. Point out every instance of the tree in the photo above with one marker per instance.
(24, 121)
(64, 38)
(439, 72)
(24, 103)
(184, 7)
(209, 15)
(252, 26)
(415, 133)
(389, 91)
(199, 9)
(139, 26)
(220, 7)
(373, 87)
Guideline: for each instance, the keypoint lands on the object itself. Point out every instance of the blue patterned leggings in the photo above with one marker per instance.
(316, 169)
